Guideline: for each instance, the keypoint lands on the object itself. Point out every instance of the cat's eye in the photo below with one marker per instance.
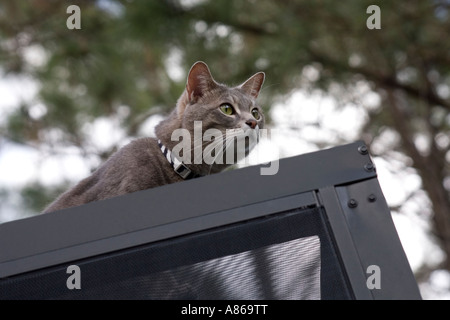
(227, 109)
(256, 114)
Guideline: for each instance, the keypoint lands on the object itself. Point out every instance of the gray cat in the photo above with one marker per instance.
(188, 144)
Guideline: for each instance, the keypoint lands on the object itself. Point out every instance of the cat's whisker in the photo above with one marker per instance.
(195, 150)
(197, 147)
(216, 156)
(227, 141)
(214, 146)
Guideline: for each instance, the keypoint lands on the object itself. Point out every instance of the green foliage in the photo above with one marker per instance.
(36, 196)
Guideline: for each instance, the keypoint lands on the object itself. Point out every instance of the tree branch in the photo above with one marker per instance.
(388, 81)
(430, 173)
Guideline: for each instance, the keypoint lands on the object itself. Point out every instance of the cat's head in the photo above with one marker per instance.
(223, 122)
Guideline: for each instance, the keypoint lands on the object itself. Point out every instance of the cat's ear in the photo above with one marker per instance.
(199, 81)
(253, 85)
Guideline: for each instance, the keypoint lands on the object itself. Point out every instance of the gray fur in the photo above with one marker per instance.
(141, 165)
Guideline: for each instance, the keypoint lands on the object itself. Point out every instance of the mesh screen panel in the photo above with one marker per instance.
(289, 255)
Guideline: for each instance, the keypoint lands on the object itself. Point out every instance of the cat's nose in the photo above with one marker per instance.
(251, 123)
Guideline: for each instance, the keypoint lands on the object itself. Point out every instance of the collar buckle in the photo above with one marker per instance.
(182, 170)
(178, 166)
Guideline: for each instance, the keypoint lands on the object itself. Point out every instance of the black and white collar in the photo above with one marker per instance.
(178, 166)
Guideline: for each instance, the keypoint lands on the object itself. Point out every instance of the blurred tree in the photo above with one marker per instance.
(121, 64)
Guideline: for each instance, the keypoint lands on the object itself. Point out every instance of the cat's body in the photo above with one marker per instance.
(121, 174)
(142, 164)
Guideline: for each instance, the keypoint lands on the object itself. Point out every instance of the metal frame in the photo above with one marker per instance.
(342, 180)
